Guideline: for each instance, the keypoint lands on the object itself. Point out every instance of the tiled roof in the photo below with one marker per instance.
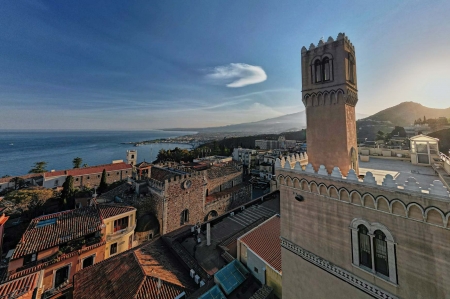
(221, 171)
(18, 287)
(161, 174)
(264, 240)
(134, 274)
(90, 170)
(68, 225)
(107, 211)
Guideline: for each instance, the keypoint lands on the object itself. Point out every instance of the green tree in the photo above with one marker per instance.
(103, 185)
(77, 162)
(18, 182)
(68, 190)
(6, 176)
(85, 165)
(39, 167)
(380, 135)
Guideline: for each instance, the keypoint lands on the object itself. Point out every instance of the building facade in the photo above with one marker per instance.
(350, 236)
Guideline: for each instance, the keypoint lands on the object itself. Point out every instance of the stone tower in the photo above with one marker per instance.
(131, 157)
(330, 95)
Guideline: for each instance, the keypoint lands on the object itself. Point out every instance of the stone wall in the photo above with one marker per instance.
(230, 199)
(94, 179)
(222, 183)
(178, 198)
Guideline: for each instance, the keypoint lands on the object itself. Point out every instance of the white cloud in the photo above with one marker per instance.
(240, 74)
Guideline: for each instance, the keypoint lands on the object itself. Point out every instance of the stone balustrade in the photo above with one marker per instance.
(437, 188)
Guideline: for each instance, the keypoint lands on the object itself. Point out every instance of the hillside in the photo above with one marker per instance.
(276, 125)
(444, 140)
(405, 113)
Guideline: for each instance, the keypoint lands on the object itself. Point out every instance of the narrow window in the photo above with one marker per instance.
(381, 256)
(318, 71)
(351, 68)
(61, 275)
(113, 249)
(255, 269)
(326, 69)
(365, 256)
(89, 261)
(184, 217)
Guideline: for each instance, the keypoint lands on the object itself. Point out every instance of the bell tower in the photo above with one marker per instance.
(330, 94)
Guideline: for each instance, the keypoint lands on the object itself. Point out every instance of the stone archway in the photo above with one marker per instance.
(212, 214)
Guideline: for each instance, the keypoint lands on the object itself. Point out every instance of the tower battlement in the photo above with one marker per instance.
(330, 94)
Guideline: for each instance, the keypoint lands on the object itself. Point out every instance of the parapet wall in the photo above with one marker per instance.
(408, 200)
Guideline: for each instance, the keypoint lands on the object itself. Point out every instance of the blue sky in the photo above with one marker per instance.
(155, 64)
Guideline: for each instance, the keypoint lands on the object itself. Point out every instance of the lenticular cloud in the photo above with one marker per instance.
(240, 74)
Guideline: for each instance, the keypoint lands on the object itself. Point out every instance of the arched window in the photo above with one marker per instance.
(326, 69)
(184, 217)
(351, 68)
(318, 70)
(381, 255)
(365, 252)
(373, 249)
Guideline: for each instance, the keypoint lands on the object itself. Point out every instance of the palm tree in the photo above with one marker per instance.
(77, 162)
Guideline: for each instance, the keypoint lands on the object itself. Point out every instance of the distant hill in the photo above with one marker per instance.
(444, 140)
(405, 113)
(286, 123)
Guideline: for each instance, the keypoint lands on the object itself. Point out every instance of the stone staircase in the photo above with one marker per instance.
(251, 214)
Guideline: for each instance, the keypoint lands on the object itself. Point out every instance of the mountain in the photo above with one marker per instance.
(285, 123)
(405, 113)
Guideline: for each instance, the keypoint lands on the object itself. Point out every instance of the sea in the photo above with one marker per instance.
(20, 150)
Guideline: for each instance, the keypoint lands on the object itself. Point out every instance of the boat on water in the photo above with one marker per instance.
(11, 144)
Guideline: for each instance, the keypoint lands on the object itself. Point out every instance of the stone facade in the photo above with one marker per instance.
(330, 95)
(94, 179)
(178, 196)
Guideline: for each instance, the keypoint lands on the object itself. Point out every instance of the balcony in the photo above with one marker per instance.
(59, 290)
(118, 234)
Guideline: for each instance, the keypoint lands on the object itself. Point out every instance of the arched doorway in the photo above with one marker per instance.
(212, 214)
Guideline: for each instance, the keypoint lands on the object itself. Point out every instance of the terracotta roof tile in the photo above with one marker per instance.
(134, 274)
(264, 240)
(18, 287)
(162, 174)
(107, 210)
(221, 170)
(90, 170)
(54, 229)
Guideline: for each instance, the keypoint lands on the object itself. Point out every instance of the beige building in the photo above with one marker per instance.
(260, 251)
(120, 223)
(382, 234)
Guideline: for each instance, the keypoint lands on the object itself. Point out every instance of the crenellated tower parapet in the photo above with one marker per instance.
(330, 94)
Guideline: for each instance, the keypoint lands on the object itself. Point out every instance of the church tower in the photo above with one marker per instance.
(330, 94)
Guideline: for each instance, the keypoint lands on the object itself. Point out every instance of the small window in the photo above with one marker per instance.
(365, 256)
(88, 177)
(113, 249)
(76, 179)
(184, 217)
(108, 174)
(318, 70)
(98, 176)
(117, 173)
(381, 256)
(29, 258)
(56, 182)
(326, 69)
(126, 171)
(89, 261)
(61, 275)
(120, 224)
(351, 68)
(255, 269)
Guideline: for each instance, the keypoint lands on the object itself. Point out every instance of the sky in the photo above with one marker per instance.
(141, 65)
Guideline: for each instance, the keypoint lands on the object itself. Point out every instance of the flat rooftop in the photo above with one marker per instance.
(400, 170)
